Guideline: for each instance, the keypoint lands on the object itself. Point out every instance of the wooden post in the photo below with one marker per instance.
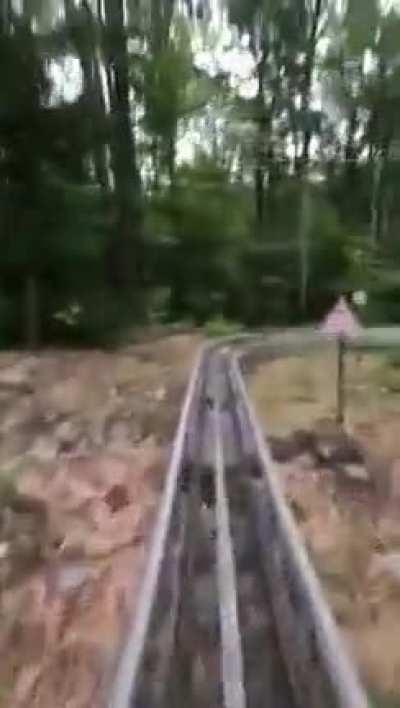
(341, 398)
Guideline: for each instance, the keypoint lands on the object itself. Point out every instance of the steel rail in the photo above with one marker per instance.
(125, 683)
(232, 660)
(345, 686)
(318, 668)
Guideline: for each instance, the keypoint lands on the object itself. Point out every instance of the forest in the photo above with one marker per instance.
(193, 160)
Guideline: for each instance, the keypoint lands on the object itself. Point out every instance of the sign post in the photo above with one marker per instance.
(341, 324)
(341, 389)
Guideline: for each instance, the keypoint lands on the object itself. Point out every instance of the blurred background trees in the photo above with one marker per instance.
(166, 160)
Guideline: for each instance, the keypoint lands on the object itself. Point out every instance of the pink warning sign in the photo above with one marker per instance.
(341, 322)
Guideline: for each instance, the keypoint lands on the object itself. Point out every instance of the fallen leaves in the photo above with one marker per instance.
(86, 432)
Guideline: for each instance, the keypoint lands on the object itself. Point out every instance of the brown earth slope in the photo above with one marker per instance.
(344, 489)
(83, 452)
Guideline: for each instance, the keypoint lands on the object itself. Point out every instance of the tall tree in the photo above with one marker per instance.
(125, 253)
(313, 23)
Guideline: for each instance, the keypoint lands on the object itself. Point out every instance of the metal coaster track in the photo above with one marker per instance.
(230, 613)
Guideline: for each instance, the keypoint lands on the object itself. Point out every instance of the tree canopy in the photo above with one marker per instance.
(182, 161)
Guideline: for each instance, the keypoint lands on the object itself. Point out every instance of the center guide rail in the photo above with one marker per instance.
(318, 669)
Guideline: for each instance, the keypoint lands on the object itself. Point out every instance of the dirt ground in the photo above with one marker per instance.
(344, 489)
(83, 450)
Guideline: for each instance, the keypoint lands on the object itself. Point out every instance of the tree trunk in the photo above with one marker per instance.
(99, 109)
(259, 173)
(92, 98)
(161, 19)
(127, 241)
(32, 313)
(377, 201)
(302, 164)
(155, 158)
(308, 75)
(304, 245)
(171, 158)
(6, 13)
(259, 196)
(350, 152)
(350, 174)
(385, 133)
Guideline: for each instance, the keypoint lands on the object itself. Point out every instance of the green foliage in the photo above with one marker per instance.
(388, 43)
(361, 25)
(166, 80)
(200, 245)
(166, 189)
(379, 700)
(393, 360)
(329, 255)
(218, 326)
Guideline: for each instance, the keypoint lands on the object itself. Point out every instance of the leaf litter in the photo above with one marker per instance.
(343, 487)
(83, 452)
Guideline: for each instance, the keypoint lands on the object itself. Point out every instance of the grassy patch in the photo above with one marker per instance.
(8, 483)
(393, 360)
(220, 327)
(388, 375)
(377, 700)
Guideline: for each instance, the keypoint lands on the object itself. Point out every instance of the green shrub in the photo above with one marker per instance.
(393, 360)
(97, 319)
(220, 327)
